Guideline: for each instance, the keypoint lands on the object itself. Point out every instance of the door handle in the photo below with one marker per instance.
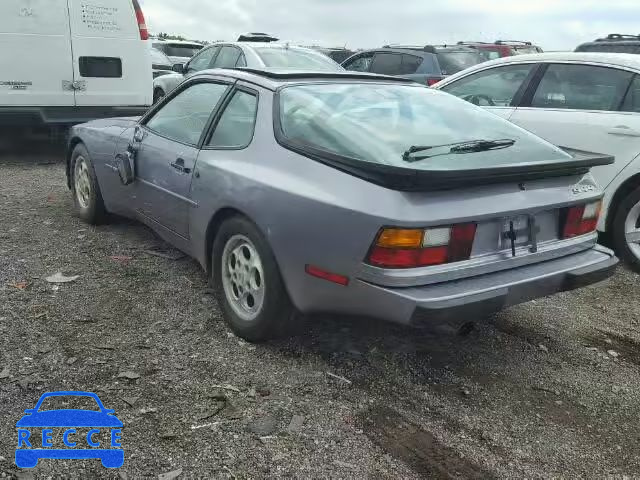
(624, 130)
(179, 166)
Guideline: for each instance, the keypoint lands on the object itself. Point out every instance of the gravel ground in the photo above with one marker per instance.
(546, 389)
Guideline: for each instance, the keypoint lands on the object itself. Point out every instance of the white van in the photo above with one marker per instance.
(69, 61)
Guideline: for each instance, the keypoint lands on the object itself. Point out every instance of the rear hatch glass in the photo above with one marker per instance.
(407, 129)
(296, 59)
(179, 50)
(454, 61)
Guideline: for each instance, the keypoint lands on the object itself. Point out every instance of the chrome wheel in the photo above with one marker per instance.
(82, 182)
(243, 277)
(632, 230)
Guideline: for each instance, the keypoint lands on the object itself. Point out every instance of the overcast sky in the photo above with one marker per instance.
(552, 24)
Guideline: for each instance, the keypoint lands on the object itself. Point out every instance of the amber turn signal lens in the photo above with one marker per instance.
(400, 238)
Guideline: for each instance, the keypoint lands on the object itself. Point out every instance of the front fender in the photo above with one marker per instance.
(168, 82)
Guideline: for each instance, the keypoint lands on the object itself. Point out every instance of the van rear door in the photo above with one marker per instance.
(35, 48)
(112, 64)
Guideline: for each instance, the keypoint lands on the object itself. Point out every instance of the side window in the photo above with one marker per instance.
(360, 64)
(410, 64)
(202, 60)
(242, 62)
(387, 63)
(237, 122)
(632, 100)
(581, 87)
(185, 116)
(227, 57)
(493, 87)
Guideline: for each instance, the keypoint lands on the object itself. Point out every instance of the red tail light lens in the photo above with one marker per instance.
(142, 25)
(404, 248)
(581, 219)
(432, 81)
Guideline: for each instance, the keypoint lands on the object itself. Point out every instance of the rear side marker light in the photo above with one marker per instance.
(411, 248)
(581, 219)
(324, 275)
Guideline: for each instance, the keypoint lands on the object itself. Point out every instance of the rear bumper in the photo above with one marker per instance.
(472, 298)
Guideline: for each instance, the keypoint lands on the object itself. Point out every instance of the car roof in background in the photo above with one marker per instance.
(272, 78)
(620, 59)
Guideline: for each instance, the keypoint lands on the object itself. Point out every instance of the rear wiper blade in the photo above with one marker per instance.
(482, 145)
(459, 147)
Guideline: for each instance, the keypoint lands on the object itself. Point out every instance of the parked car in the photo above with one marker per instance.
(178, 51)
(252, 54)
(503, 48)
(588, 101)
(346, 192)
(75, 66)
(160, 63)
(427, 64)
(613, 43)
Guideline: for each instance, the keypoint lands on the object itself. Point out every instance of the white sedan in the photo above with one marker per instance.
(587, 101)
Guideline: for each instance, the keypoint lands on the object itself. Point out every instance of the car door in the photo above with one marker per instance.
(579, 106)
(36, 53)
(498, 89)
(112, 64)
(167, 155)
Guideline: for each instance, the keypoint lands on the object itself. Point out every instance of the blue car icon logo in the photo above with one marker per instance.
(69, 433)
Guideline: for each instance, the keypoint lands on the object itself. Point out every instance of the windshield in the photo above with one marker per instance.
(177, 50)
(609, 48)
(454, 62)
(378, 123)
(296, 59)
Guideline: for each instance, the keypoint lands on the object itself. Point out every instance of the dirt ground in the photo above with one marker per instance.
(546, 389)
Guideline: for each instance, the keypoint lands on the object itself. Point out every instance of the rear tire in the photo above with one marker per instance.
(248, 284)
(625, 221)
(87, 198)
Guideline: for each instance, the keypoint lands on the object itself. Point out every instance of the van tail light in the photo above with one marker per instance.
(411, 248)
(580, 220)
(432, 81)
(142, 25)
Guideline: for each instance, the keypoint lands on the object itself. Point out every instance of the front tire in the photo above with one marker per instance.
(87, 198)
(248, 284)
(626, 230)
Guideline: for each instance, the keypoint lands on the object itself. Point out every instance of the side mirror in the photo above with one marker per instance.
(180, 68)
(138, 135)
(124, 164)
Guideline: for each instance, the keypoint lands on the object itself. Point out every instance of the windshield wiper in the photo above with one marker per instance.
(470, 146)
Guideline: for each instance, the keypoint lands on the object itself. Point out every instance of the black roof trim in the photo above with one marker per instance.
(297, 75)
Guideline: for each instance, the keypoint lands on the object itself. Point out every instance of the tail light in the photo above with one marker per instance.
(580, 220)
(432, 81)
(142, 25)
(411, 248)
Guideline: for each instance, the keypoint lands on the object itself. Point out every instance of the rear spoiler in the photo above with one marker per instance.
(408, 179)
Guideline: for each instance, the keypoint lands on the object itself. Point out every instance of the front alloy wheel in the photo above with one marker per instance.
(82, 182)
